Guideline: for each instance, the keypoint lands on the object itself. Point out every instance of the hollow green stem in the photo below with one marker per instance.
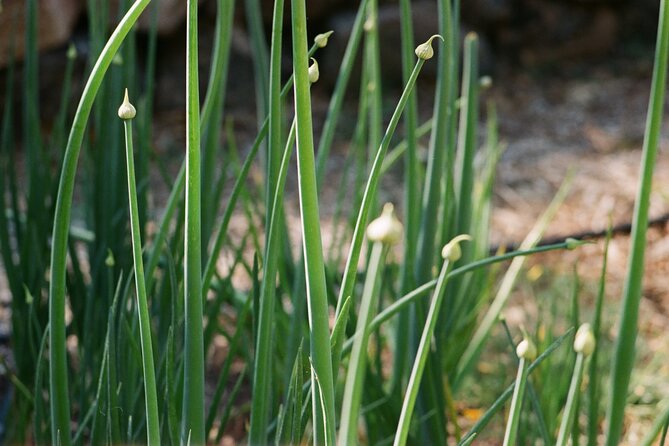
(467, 136)
(594, 380)
(150, 394)
(276, 166)
(323, 421)
(440, 156)
(274, 146)
(372, 62)
(355, 377)
(516, 404)
(192, 419)
(451, 254)
(572, 402)
(58, 382)
(261, 59)
(212, 111)
(411, 176)
(262, 373)
(412, 194)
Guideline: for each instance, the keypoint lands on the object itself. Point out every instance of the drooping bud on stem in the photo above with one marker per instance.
(452, 251)
(573, 243)
(313, 71)
(126, 110)
(424, 50)
(322, 39)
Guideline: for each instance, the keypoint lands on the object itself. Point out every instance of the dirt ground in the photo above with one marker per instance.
(592, 126)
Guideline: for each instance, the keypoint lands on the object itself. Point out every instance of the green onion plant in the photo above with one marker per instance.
(128, 330)
(127, 113)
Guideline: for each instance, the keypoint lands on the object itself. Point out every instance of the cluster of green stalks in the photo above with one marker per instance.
(355, 343)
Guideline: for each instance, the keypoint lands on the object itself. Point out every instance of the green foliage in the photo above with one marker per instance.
(356, 342)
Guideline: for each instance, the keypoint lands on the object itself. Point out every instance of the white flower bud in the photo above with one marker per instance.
(126, 110)
(369, 24)
(71, 52)
(29, 296)
(526, 350)
(452, 251)
(109, 260)
(485, 82)
(584, 341)
(573, 243)
(321, 40)
(313, 71)
(424, 50)
(387, 228)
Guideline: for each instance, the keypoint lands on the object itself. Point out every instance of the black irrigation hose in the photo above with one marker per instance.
(619, 229)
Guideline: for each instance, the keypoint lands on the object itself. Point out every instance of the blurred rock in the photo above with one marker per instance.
(488, 13)
(550, 32)
(561, 32)
(171, 15)
(56, 20)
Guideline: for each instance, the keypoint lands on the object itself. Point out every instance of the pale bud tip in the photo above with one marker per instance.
(369, 25)
(117, 59)
(573, 243)
(452, 251)
(126, 110)
(485, 82)
(109, 260)
(71, 51)
(425, 51)
(314, 74)
(584, 341)
(526, 350)
(387, 228)
(321, 40)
